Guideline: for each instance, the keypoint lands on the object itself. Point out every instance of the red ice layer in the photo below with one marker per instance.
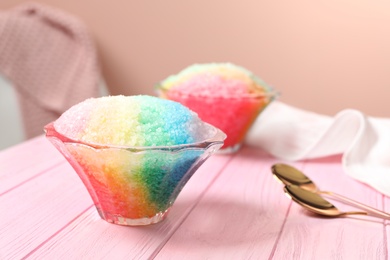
(233, 116)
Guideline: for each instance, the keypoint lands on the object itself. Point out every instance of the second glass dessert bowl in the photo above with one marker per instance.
(225, 95)
(233, 115)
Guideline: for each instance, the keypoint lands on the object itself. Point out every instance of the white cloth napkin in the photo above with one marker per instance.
(293, 134)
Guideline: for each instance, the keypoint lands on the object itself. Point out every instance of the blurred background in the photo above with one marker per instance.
(322, 56)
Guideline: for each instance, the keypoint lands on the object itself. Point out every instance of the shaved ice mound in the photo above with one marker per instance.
(134, 154)
(225, 95)
(132, 121)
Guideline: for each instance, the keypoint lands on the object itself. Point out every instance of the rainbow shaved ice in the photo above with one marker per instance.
(133, 153)
(223, 94)
(131, 121)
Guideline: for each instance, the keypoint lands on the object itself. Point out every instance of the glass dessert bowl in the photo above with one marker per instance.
(222, 94)
(134, 154)
(134, 185)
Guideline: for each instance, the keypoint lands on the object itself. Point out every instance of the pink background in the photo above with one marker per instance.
(322, 56)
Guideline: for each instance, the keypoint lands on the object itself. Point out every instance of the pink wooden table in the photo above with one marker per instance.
(232, 208)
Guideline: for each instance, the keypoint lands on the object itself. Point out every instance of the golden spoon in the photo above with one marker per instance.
(290, 175)
(315, 203)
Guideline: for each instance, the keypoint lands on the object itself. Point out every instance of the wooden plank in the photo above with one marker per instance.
(34, 211)
(23, 155)
(89, 237)
(22, 162)
(240, 216)
(308, 236)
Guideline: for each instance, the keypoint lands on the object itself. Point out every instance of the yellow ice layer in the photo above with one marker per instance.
(125, 121)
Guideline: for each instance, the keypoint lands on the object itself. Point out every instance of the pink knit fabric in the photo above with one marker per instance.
(51, 60)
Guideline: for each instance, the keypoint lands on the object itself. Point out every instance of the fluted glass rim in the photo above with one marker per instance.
(269, 94)
(217, 138)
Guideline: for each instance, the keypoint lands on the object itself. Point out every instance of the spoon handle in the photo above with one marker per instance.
(370, 210)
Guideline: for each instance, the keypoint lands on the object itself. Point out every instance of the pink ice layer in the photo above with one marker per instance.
(208, 85)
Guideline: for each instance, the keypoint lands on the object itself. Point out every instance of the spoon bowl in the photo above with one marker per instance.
(315, 203)
(287, 174)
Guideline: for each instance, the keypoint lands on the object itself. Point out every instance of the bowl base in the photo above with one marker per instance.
(119, 220)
